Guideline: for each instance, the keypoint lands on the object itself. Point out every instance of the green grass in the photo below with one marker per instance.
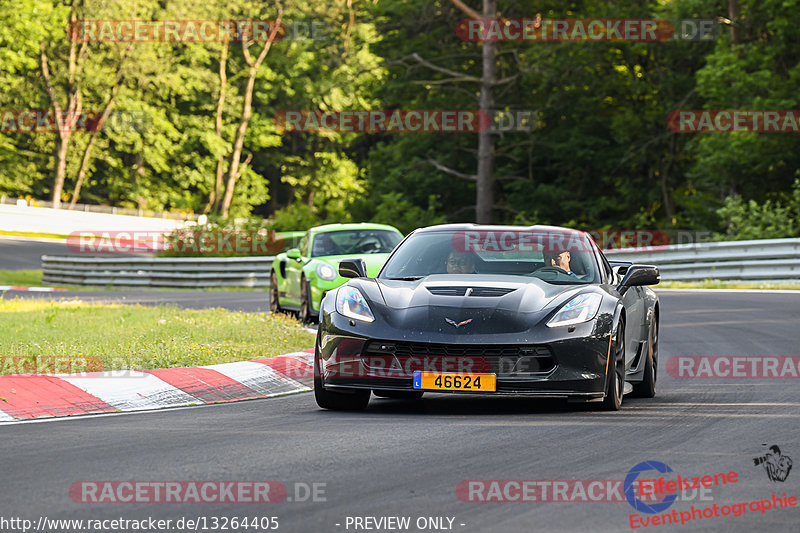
(72, 336)
(21, 278)
(715, 284)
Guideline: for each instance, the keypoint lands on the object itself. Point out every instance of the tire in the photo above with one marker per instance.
(274, 302)
(352, 400)
(305, 302)
(615, 384)
(647, 387)
(399, 394)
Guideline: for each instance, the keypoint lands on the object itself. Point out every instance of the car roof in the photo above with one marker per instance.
(344, 227)
(488, 227)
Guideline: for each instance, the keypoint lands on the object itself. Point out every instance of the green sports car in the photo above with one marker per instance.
(301, 276)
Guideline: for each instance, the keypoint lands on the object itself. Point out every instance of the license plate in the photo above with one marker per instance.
(459, 382)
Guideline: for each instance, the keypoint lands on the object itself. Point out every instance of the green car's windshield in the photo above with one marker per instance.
(554, 256)
(362, 241)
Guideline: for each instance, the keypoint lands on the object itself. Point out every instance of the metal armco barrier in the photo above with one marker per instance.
(758, 260)
(761, 260)
(191, 272)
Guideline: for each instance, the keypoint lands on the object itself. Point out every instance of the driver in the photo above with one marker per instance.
(461, 263)
(559, 259)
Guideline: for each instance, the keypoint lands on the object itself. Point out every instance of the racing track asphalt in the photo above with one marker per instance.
(22, 253)
(406, 458)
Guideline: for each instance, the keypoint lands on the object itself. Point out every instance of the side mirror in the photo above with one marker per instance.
(619, 268)
(293, 253)
(353, 268)
(639, 275)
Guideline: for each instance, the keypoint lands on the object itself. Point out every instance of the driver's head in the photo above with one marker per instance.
(557, 258)
(460, 263)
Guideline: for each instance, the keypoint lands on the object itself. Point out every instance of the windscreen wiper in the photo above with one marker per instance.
(407, 278)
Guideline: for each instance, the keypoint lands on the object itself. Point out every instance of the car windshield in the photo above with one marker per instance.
(531, 253)
(362, 241)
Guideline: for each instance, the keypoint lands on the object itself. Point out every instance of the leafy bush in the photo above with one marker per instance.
(252, 237)
(769, 220)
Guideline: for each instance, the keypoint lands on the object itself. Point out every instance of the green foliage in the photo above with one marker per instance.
(295, 217)
(768, 220)
(399, 212)
(599, 154)
(222, 238)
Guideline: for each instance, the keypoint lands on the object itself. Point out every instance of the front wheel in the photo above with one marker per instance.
(615, 384)
(647, 387)
(351, 400)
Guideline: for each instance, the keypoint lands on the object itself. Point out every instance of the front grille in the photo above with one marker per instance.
(503, 360)
(470, 291)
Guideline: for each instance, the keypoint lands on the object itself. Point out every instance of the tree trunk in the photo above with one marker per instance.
(87, 153)
(66, 121)
(61, 167)
(215, 199)
(485, 182)
(733, 15)
(233, 170)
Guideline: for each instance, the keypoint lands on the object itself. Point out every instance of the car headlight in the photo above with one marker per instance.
(326, 272)
(580, 309)
(351, 303)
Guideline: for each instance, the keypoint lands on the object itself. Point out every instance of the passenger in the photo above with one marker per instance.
(559, 259)
(461, 263)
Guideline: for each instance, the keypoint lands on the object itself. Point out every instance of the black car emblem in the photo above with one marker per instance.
(457, 324)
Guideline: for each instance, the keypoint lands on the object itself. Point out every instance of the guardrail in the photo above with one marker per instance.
(760, 260)
(106, 209)
(757, 260)
(185, 272)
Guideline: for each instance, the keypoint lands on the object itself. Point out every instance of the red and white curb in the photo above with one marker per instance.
(29, 396)
(30, 289)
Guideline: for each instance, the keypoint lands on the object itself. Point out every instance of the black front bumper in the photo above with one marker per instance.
(544, 362)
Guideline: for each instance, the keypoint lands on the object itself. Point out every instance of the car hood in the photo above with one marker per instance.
(491, 304)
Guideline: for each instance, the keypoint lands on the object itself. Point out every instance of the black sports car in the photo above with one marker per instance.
(535, 311)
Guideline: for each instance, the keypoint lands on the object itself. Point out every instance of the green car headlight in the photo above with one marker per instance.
(352, 304)
(580, 309)
(326, 272)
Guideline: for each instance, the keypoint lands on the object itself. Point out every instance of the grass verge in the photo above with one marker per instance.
(71, 336)
(21, 278)
(715, 284)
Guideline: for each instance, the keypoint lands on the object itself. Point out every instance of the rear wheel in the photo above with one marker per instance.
(274, 302)
(399, 394)
(615, 384)
(350, 400)
(647, 387)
